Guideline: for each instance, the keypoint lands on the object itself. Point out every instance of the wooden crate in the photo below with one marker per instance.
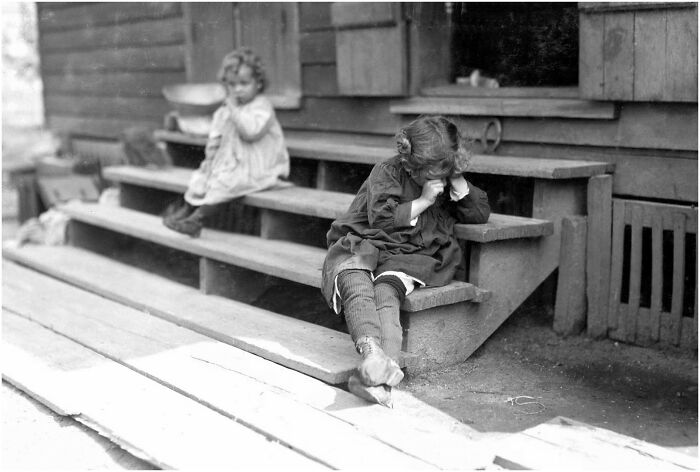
(653, 286)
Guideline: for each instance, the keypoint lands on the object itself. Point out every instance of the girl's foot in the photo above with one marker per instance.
(191, 226)
(380, 394)
(376, 367)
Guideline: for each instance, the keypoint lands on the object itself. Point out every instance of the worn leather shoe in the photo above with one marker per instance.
(376, 367)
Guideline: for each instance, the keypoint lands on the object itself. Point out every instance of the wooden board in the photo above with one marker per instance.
(353, 14)
(291, 261)
(590, 59)
(190, 364)
(319, 80)
(149, 420)
(618, 51)
(570, 305)
(562, 443)
(209, 35)
(457, 90)
(317, 47)
(171, 58)
(107, 107)
(96, 127)
(598, 254)
(649, 51)
(270, 397)
(119, 84)
(79, 16)
(143, 33)
(681, 74)
(525, 107)
(314, 16)
(325, 204)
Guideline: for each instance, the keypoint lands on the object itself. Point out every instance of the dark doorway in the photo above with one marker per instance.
(518, 44)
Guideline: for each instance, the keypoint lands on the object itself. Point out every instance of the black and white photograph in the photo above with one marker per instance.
(349, 236)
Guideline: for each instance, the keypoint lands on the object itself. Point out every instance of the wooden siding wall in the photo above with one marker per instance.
(639, 52)
(104, 64)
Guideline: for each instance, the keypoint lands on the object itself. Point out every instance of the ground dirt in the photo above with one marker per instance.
(649, 393)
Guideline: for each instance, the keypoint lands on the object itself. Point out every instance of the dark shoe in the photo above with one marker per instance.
(177, 209)
(191, 226)
(376, 368)
(380, 394)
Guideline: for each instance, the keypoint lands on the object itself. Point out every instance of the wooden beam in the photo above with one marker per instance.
(598, 256)
(570, 306)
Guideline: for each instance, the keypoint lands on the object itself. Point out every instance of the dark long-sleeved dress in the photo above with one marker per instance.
(376, 234)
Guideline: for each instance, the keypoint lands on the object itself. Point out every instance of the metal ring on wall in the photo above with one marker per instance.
(492, 123)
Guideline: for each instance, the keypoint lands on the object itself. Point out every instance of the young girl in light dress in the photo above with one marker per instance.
(398, 234)
(245, 150)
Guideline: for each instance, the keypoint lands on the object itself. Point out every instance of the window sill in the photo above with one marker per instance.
(455, 90)
(508, 102)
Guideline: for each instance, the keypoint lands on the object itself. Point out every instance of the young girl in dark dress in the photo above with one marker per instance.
(396, 236)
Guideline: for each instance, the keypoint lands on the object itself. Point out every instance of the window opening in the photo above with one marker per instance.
(516, 44)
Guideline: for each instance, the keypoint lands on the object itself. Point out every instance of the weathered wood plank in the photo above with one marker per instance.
(95, 127)
(679, 226)
(599, 209)
(570, 306)
(354, 14)
(618, 50)
(170, 58)
(120, 84)
(681, 55)
(156, 32)
(657, 263)
(319, 80)
(317, 47)
(209, 35)
(524, 107)
(616, 265)
(372, 61)
(600, 7)
(629, 322)
(165, 351)
(87, 16)
(456, 90)
(234, 381)
(561, 442)
(315, 16)
(291, 261)
(500, 227)
(137, 108)
(150, 420)
(649, 51)
(591, 57)
(358, 115)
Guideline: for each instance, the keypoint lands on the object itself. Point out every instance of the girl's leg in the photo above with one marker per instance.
(357, 292)
(193, 223)
(389, 293)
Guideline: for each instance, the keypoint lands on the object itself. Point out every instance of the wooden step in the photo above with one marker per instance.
(283, 259)
(348, 148)
(317, 351)
(149, 420)
(325, 204)
(506, 106)
(260, 394)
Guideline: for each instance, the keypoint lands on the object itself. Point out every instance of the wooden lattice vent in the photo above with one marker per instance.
(653, 293)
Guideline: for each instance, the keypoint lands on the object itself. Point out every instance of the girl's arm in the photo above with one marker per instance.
(384, 191)
(473, 208)
(253, 122)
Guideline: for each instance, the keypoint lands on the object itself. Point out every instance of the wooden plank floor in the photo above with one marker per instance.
(145, 418)
(316, 420)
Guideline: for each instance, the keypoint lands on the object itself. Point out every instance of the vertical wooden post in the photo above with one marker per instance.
(570, 308)
(599, 198)
(216, 278)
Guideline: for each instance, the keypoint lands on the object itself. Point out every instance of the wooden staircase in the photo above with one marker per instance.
(508, 257)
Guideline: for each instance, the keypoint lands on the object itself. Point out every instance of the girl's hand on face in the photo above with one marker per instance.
(433, 188)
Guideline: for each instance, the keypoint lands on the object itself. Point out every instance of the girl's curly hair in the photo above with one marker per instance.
(243, 56)
(433, 142)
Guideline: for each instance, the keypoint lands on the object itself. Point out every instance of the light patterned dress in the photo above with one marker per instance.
(245, 153)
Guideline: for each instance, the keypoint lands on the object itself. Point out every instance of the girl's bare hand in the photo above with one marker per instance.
(431, 189)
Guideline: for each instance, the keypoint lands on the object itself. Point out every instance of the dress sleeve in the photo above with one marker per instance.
(473, 208)
(254, 120)
(384, 207)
